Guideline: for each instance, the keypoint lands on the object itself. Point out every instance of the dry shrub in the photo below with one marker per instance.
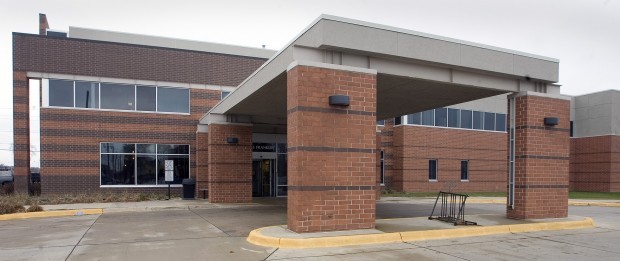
(35, 189)
(8, 188)
(34, 208)
(9, 205)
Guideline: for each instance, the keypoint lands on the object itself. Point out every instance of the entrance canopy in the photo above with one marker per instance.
(415, 71)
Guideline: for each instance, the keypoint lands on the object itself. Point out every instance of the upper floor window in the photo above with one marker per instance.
(115, 96)
(457, 118)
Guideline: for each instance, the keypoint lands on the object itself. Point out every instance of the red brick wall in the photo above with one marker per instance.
(202, 162)
(70, 140)
(595, 164)
(541, 158)
(414, 146)
(331, 150)
(386, 143)
(35, 53)
(230, 165)
(21, 131)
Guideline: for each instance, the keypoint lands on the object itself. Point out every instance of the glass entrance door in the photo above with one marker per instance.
(263, 178)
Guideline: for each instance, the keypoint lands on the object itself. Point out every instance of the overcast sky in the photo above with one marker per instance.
(583, 34)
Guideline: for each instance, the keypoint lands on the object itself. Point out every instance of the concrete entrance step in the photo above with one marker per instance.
(411, 229)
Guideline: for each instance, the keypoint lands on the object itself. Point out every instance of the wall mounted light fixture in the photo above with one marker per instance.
(551, 121)
(339, 100)
(232, 140)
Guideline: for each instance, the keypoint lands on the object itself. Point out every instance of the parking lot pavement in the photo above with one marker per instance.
(220, 234)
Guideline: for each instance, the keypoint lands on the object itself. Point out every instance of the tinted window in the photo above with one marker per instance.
(117, 169)
(87, 94)
(415, 118)
(432, 169)
(60, 93)
(224, 94)
(172, 149)
(441, 117)
(466, 121)
(478, 118)
(117, 96)
(381, 122)
(146, 170)
(117, 148)
(453, 118)
(181, 168)
(500, 123)
(145, 99)
(172, 100)
(489, 121)
(397, 120)
(146, 148)
(464, 170)
(427, 118)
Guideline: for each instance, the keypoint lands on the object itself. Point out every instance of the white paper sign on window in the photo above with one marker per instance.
(169, 168)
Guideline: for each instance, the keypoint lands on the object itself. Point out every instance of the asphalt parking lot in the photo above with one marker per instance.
(218, 233)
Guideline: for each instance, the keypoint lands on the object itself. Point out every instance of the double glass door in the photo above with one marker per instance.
(269, 177)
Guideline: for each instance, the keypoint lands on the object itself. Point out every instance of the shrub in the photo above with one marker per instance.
(8, 206)
(34, 208)
(35, 189)
(8, 188)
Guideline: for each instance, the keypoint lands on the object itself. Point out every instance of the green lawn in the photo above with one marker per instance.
(572, 195)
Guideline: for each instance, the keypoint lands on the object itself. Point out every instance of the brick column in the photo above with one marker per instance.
(21, 131)
(230, 165)
(331, 149)
(202, 162)
(541, 156)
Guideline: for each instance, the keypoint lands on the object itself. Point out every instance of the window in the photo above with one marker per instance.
(117, 96)
(60, 93)
(477, 120)
(382, 168)
(432, 170)
(142, 164)
(415, 118)
(464, 170)
(172, 100)
(86, 94)
(381, 122)
(441, 117)
(397, 121)
(571, 128)
(146, 98)
(489, 121)
(224, 94)
(500, 122)
(466, 119)
(453, 118)
(428, 118)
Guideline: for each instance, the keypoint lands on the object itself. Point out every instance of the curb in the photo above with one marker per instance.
(257, 238)
(53, 213)
(573, 203)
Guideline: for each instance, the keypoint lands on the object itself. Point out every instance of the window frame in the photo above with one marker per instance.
(136, 154)
(436, 179)
(382, 168)
(466, 171)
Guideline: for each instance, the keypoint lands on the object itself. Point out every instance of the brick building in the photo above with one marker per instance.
(118, 112)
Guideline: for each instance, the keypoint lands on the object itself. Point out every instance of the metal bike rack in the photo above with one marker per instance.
(452, 209)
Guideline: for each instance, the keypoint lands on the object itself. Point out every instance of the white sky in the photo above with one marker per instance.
(584, 35)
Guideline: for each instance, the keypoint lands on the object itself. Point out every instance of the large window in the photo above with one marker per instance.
(441, 117)
(478, 120)
(142, 164)
(489, 121)
(428, 118)
(432, 170)
(453, 118)
(457, 118)
(115, 96)
(466, 119)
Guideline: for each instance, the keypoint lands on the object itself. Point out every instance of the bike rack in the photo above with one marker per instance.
(452, 208)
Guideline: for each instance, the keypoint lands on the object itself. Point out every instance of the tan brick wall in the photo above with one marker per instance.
(414, 146)
(230, 165)
(332, 150)
(541, 158)
(595, 164)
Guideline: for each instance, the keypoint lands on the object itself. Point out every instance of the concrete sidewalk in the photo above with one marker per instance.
(172, 204)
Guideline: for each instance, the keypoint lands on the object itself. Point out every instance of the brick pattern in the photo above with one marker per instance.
(386, 143)
(332, 188)
(202, 162)
(414, 146)
(107, 59)
(230, 165)
(541, 158)
(595, 164)
(21, 131)
(70, 140)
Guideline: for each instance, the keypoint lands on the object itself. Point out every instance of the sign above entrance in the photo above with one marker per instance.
(263, 147)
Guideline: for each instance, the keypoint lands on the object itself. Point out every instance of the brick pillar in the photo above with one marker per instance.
(541, 157)
(230, 165)
(43, 24)
(21, 131)
(202, 160)
(331, 150)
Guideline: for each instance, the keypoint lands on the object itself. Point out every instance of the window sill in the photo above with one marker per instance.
(464, 180)
(432, 180)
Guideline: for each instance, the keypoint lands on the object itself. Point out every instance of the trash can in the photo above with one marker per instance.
(189, 188)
